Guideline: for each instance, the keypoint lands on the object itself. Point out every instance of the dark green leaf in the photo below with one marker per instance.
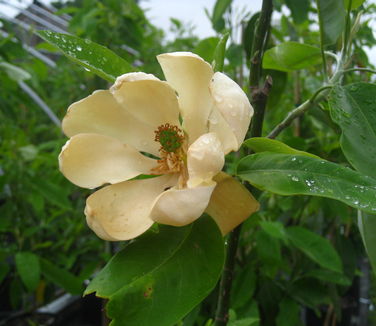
(61, 277)
(315, 247)
(206, 47)
(286, 174)
(220, 8)
(309, 292)
(329, 276)
(219, 53)
(353, 109)
(332, 20)
(91, 55)
(243, 287)
(4, 270)
(288, 314)
(248, 34)
(263, 144)
(299, 10)
(290, 56)
(274, 229)
(367, 228)
(160, 277)
(28, 268)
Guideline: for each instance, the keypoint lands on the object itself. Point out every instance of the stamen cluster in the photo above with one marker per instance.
(170, 137)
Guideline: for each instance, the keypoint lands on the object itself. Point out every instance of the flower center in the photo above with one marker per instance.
(170, 137)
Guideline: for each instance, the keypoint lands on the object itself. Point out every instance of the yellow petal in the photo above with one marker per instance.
(181, 206)
(232, 103)
(231, 203)
(101, 114)
(121, 211)
(226, 136)
(205, 158)
(190, 76)
(91, 160)
(147, 99)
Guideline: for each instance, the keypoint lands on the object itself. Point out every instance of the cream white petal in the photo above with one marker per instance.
(190, 76)
(181, 206)
(100, 113)
(218, 124)
(147, 99)
(121, 211)
(232, 103)
(205, 158)
(91, 160)
(231, 203)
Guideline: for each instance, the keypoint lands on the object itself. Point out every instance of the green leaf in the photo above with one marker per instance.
(354, 4)
(91, 55)
(299, 10)
(290, 56)
(288, 314)
(220, 8)
(14, 72)
(332, 20)
(352, 107)
(160, 277)
(263, 144)
(274, 229)
(248, 34)
(61, 277)
(28, 268)
(286, 174)
(315, 247)
(329, 276)
(206, 47)
(219, 53)
(4, 270)
(244, 286)
(367, 228)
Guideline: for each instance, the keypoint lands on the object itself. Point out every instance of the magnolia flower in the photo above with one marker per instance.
(135, 128)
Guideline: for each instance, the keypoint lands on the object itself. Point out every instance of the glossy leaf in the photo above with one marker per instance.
(28, 268)
(160, 277)
(286, 174)
(263, 144)
(219, 53)
(332, 20)
(92, 56)
(290, 56)
(315, 247)
(352, 107)
(61, 277)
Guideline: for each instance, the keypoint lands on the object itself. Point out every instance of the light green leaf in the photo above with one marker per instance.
(28, 268)
(332, 20)
(61, 277)
(286, 174)
(290, 56)
(263, 144)
(160, 277)
(91, 55)
(219, 53)
(206, 47)
(352, 107)
(315, 247)
(14, 72)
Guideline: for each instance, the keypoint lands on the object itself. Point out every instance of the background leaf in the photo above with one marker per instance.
(299, 10)
(180, 266)
(315, 247)
(219, 53)
(220, 8)
(290, 56)
(332, 20)
(91, 55)
(28, 268)
(287, 174)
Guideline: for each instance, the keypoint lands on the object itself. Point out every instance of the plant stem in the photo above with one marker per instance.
(259, 97)
(316, 97)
